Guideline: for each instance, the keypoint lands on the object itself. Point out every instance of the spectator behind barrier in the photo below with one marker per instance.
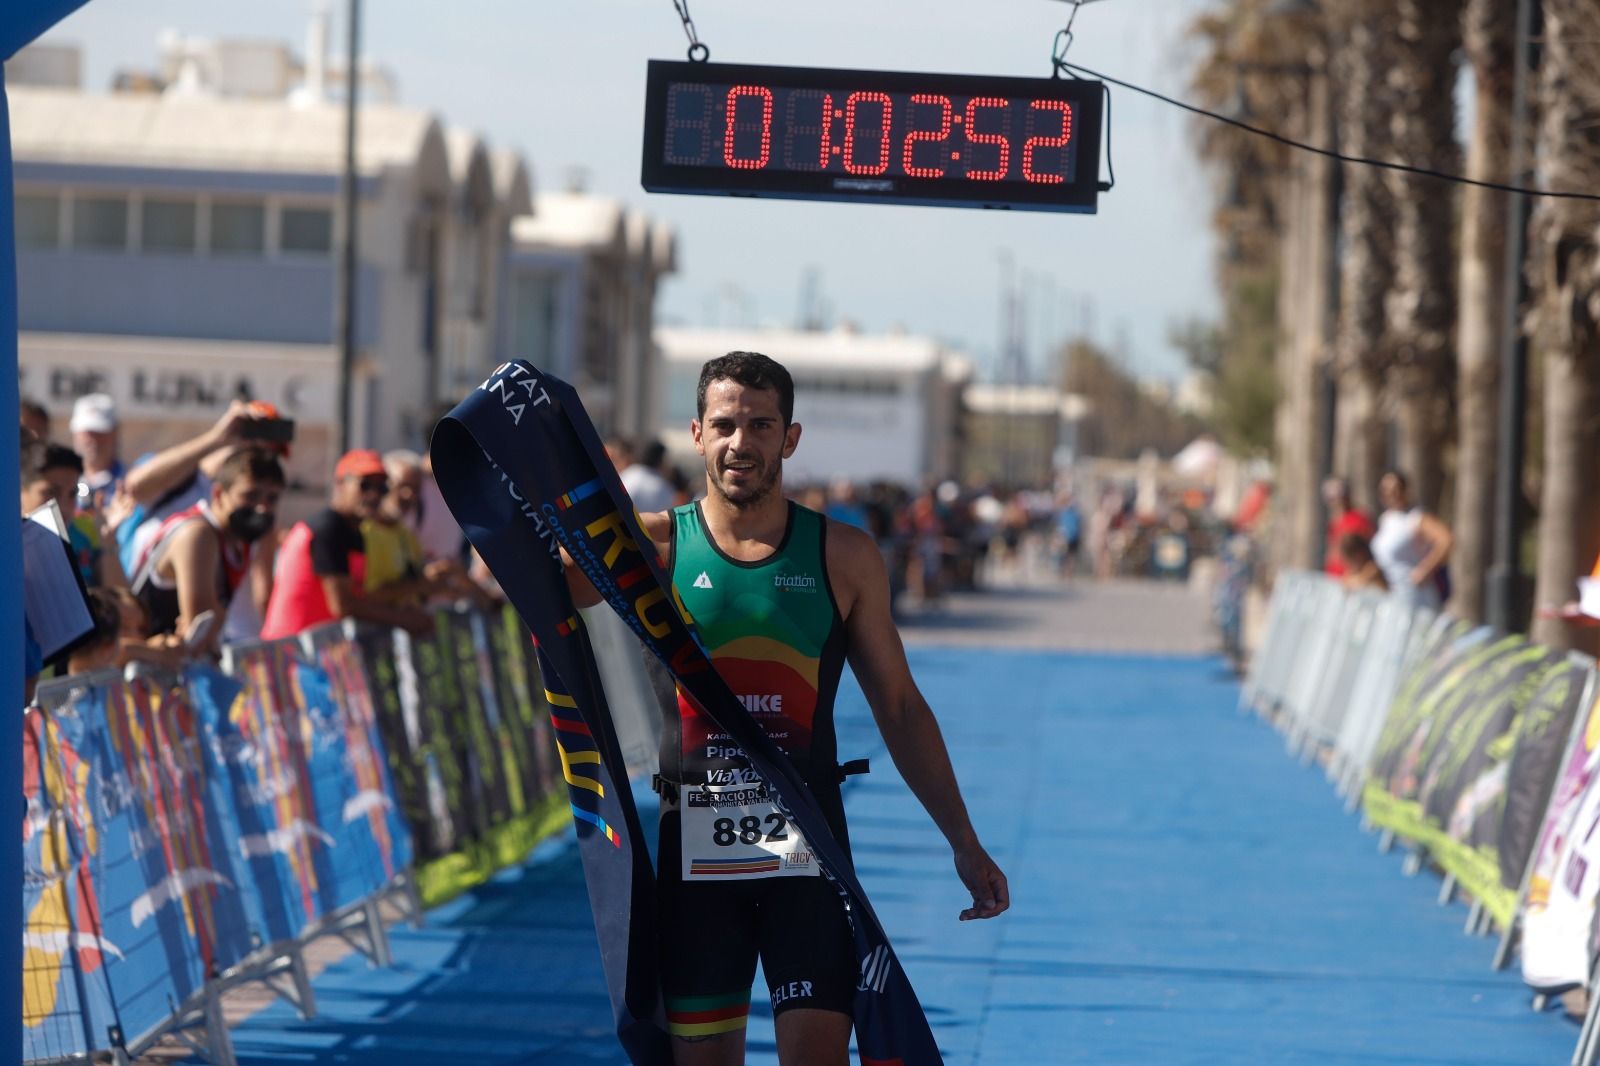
(116, 641)
(394, 555)
(396, 571)
(1411, 545)
(53, 473)
(1343, 518)
(31, 450)
(649, 491)
(94, 437)
(162, 484)
(1357, 567)
(36, 418)
(201, 557)
(432, 522)
(321, 572)
(844, 505)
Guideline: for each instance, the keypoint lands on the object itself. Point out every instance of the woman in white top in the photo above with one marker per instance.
(1410, 545)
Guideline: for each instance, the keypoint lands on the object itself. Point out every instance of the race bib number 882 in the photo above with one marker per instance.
(735, 833)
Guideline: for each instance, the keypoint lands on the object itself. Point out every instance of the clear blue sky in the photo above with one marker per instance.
(562, 81)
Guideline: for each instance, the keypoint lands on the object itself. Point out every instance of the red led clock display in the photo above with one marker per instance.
(872, 136)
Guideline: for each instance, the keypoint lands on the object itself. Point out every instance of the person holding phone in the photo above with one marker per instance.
(202, 555)
(164, 483)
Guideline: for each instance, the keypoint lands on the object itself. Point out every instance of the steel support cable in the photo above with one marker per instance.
(1404, 168)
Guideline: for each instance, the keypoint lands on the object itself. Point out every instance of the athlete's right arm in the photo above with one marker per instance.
(657, 526)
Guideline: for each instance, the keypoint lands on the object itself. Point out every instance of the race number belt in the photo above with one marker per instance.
(737, 833)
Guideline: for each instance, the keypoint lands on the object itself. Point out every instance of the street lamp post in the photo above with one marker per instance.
(345, 322)
(1504, 585)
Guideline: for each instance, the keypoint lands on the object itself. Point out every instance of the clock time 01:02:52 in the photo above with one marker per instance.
(865, 135)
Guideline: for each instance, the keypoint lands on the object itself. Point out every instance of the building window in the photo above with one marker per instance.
(38, 221)
(535, 318)
(100, 223)
(238, 229)
(682, 401)
(168, 226)
(305, 230)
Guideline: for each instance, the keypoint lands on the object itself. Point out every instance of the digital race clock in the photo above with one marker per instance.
(800, 133)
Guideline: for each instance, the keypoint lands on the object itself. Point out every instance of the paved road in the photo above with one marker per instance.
(1035, 610)
(1184, 893)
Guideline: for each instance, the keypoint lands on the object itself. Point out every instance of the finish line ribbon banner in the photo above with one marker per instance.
(523, 470)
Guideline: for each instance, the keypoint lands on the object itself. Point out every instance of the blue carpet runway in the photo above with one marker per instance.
(1183, 893)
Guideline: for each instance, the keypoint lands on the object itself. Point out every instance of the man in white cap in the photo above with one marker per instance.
(94, 437)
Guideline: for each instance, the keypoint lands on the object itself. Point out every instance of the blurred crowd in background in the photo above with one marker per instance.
(187, 548)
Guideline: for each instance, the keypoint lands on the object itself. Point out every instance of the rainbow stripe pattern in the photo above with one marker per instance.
(708, 1015)
(755, 865)
(571, 730)
(577, 495)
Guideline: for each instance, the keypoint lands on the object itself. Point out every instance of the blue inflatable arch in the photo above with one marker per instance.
(21, 21)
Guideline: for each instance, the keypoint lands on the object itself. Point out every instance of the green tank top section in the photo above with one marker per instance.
(772, 630)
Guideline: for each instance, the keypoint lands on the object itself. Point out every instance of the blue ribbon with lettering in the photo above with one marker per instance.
(523, 470)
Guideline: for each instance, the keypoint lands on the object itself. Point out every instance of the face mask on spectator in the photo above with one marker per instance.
(249, 524)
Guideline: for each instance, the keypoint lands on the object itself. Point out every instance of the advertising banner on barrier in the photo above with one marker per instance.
(1566, 871)
(264, 740)
(371, 842)
(1541, 739)
(524, 712)
(398, 721)
(176, 824)
(1448, 778)
(1464, 789)
(66, 999)
(1522, 793)
(457, 819)
(1397, 763)
(165, 871)
(1482, 707)
(151, 900)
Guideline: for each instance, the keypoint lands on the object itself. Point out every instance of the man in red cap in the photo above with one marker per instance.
(322, 564)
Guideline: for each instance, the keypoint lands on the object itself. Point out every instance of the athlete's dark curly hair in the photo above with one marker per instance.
(752, 370)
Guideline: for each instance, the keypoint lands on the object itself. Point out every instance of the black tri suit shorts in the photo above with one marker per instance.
(711, 933)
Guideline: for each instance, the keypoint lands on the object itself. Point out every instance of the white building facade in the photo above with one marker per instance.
(872, 407)
(581, 287)
(177, 247)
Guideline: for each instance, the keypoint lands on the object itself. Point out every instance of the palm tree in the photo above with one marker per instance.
(1362, 63)
(1422, 307)
(1263, 65)
(1488, 30)
(1565, 269)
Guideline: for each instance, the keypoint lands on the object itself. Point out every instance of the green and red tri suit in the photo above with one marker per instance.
(774, 633)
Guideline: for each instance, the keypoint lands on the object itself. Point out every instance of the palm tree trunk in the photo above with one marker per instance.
(1365, 453)
(1296, 491)
(1566, 270)
(1488, 30)
(1421, 308)
(1366, 226)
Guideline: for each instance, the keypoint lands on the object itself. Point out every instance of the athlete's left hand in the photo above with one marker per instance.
(990, 895)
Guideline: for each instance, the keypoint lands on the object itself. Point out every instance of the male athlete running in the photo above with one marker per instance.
(781, 597)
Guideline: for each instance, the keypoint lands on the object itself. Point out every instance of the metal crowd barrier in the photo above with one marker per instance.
(190, 834)
(1479, 750)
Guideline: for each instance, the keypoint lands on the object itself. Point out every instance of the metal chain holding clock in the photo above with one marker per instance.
(1063, 41)
(698, 52)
